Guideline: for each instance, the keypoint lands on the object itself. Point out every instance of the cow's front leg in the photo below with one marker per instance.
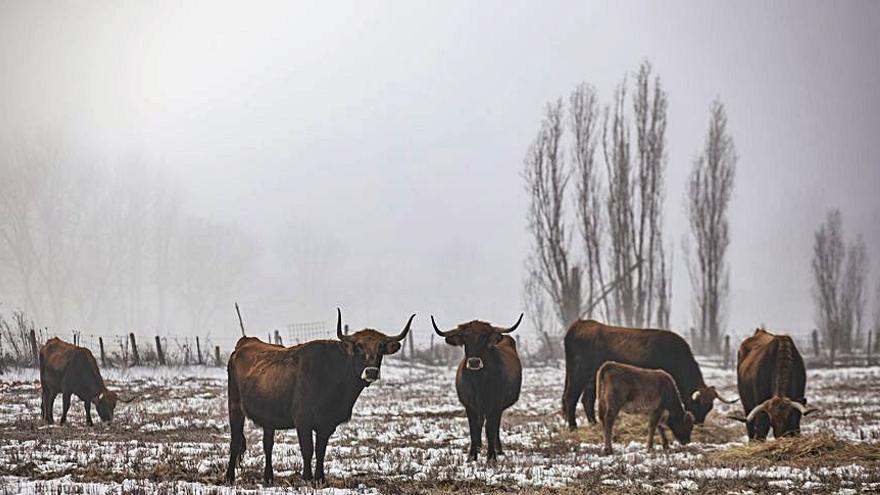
(475, 425)
(322, 437)
(306, 447)
(88, 406)
(65, 405)
(493, 424)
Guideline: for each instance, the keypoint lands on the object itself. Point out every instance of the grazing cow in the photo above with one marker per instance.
(488, 379)
(771, 379)
(71, 370)
(588, 344)
(311, 387)
(634, 390)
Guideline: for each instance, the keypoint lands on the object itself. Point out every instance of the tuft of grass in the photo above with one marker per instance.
(822, 448)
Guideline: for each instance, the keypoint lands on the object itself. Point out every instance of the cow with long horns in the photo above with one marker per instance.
(311, 387)
(72, 370)
(771, 378)
(488, 380)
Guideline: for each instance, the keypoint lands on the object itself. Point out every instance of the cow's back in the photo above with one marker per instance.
(595, 343)
(768, 365)
(55, 356)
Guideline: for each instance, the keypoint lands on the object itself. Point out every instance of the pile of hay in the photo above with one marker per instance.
(824, 448)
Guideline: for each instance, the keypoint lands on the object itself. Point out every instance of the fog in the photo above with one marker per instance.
(369, 155)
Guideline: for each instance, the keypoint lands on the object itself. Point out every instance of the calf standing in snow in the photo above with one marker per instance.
(621, 387)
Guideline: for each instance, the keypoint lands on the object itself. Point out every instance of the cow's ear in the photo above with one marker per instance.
(455, 340)
(392, 347)
(347, 347)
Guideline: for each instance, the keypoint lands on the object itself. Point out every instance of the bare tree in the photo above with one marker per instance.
(876, 342)
(853, 297)
(535, 302)
(635, 201)
(828, 257)
(546, 179)
(709, 189)
(584, 119)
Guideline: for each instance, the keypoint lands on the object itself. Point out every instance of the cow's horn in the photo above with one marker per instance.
(754, 412)
(402, 334)
(508, 330)
(440, 332)
(339, 333)
(722, 399)
(802, 408)
(695, 396)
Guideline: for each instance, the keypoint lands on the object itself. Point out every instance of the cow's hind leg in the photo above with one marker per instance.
(588, 398)
(237, 444)
(652, 427)
(322, 437)
(65, 405)
(475, 423)
(307, 448)
(268, 443)
(575, 382)
(48, 400)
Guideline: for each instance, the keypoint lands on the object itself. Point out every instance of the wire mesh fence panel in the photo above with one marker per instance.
(297, 333)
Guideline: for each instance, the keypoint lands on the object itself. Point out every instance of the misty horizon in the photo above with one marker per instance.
(372, 158)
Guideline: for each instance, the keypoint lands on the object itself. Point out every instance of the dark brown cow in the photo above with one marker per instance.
(771, 378)
(71, 370)
(589, 344)
(634, 390)
(488, 380)
(311, 387)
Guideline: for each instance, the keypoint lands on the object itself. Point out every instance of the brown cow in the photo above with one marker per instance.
(71, 370)
(771, 378)
(488, 379)
(311, 387)
(589, 343)
(634, 390)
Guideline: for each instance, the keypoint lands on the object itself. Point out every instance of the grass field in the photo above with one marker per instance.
(408, 435)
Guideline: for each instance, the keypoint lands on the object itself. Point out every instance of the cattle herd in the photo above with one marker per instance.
(313, 387)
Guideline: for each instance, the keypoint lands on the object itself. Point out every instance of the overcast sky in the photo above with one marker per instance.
(373, 150)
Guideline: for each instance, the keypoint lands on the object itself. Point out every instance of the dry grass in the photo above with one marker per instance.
(822, 449)
(634, 428)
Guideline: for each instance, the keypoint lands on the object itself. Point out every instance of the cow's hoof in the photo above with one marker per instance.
(307, 477)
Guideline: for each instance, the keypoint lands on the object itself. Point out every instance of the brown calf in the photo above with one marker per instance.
(621, 387)
(71, 370)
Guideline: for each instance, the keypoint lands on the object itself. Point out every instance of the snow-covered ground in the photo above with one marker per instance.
(408, 434)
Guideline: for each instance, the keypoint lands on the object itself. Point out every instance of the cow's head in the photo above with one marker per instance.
(476, 337)
(781, 414)
(682, 427)
(367, 347)
(105, 402)
(702, 401)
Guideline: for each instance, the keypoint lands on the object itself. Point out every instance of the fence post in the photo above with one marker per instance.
(198, 350)
(346, 328)
(726, 351)
(217, 354)
(869, 349)
(136, 358)
(159, 353)
(103, 356)
(816, 342)
(34, 347)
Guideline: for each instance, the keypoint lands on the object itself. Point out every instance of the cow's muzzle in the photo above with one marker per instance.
(370, 374)
(474, 363)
